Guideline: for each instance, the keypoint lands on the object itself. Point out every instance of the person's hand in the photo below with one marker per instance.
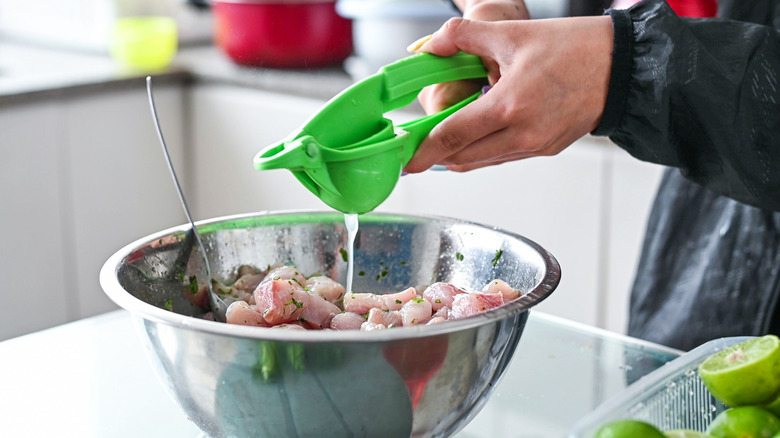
(550, 81)
(440, 96)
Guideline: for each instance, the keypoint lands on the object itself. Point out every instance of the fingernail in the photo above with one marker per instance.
(415, 46)
(486, 88)
(404, 174)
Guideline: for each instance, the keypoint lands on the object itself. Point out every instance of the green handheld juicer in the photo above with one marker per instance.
(348, 154)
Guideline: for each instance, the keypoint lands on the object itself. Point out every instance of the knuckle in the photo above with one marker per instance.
(453, 25)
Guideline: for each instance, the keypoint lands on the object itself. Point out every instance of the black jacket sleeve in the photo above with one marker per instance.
(702, 95)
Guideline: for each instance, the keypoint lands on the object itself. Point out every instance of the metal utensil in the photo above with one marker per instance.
(217, 305)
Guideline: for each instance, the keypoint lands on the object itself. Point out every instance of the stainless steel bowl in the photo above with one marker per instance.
(412, 381)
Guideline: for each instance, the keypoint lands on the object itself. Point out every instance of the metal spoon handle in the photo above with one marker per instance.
(218, 306)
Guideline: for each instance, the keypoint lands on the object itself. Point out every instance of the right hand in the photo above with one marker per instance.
(551, 83)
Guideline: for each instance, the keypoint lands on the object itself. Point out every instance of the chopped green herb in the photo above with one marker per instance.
(459, 256)
(193, 285)
(277, 278)
(438, 301)
(418, 300)
(403, 263)
(297, 303)
(361, 273)
(344, 255)
(169, 305)
(497, 257)
(399, 301)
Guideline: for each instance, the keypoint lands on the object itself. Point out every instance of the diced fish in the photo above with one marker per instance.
(416, 311)
(444, 312)
(465, 305)
(441, 294)
(318, 313)
(500, 286)
(347, 321)
(289, 325)
(368, 326)
(280, 301)
(240, 312)
(363, 302)
(435, 320)
(248, 282)
(388, 318)
(285, 272)
(326, 287)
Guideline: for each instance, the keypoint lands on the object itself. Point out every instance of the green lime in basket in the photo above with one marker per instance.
(744, 422)
(685, 433)
(628, 429)
(747, 373)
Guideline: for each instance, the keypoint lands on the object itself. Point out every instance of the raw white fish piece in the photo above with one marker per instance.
(289, 325)
(465, 305)
(285, 272)
(416, 311)
(441, 294)
(435, 320)
(368, 326)
(500, 286)
(240, 312)
(347, 321)
(388, 318)
(444, 312)
(363, 302)
(280, 301)
(248, 282)
(318, 313)
(326, 287)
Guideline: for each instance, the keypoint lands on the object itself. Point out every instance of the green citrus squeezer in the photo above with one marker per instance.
(349, 154)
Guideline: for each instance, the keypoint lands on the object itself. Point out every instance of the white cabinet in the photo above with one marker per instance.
(120, 186)
(587, 205)
(34, 261)
(81, 177)
(228, 126)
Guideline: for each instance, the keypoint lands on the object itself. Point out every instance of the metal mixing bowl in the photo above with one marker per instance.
(239, 381)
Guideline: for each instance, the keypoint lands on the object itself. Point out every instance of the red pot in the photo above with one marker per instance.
(282, 33)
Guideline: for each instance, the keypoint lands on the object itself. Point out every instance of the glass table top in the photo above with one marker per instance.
(91, 379)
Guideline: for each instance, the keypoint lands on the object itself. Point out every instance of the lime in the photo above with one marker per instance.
(685, 433)
(628, 429)
(744, 422)
(773, 406)
(747, 373)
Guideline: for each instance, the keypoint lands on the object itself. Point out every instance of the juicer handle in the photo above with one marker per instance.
(418, 129)
(404, 79)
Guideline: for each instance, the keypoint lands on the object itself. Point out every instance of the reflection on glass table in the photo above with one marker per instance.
(91, 379)
(560, 372)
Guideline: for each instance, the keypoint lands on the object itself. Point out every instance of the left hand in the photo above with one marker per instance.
(441, 96)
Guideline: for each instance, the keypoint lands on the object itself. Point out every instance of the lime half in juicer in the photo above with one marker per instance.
(348, 154)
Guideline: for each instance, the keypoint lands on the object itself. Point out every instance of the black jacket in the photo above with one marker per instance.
(703, 97)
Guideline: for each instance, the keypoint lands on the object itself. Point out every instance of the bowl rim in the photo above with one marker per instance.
(111, 287)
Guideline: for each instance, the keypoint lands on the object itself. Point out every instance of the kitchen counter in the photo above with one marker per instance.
(29, 72)
(90, 379)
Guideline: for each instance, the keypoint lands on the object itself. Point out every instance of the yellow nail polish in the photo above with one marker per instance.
(415, 46)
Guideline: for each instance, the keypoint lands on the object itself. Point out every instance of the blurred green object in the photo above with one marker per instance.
(144, 43)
